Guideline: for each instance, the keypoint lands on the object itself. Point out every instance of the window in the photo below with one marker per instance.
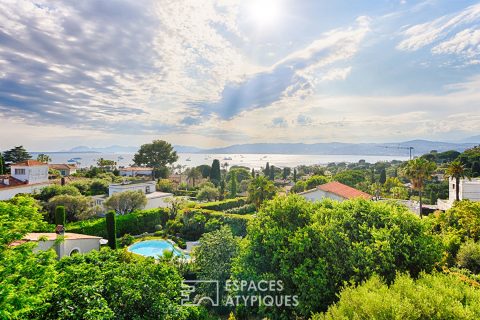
(453, 186)
(19, 171)
(147, 189)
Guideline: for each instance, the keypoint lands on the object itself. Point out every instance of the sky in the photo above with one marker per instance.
(219, 72)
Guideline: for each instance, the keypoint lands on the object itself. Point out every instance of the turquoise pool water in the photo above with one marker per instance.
(155, 248)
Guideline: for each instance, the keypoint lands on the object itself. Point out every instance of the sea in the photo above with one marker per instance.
(87, 159)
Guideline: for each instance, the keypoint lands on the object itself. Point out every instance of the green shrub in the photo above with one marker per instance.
(469, 256)
(60, 215)
(185, 193)
(435, 296)
(158, 227)
(224, 205)
(159, 233)
(245, 209)
(133, 223)
(126, 240)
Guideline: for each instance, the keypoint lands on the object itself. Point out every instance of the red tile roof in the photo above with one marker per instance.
(344, 191)
(12, 182)
(29, 163)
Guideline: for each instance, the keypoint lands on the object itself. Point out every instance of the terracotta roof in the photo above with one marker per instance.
(343, 190)
(29, 163)
(12, 182)
(136, 169)
(53, 236)
(62, 166)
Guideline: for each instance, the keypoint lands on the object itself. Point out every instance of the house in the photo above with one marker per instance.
(135, 171)
(468, 189)
(72, 243)
(155, 199)
(336, 191)
(65, 169)
(29, 176)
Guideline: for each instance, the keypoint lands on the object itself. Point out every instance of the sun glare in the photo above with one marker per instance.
(264, 13)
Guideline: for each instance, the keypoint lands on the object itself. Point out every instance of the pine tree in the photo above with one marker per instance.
(111, 229)
(17, 154)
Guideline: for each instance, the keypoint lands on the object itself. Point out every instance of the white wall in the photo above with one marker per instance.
(318, 195)
(9, 193)
(158, 202)
(115, 188)
(469, 189)
(34, 174)
(82, 245)
(130, 173)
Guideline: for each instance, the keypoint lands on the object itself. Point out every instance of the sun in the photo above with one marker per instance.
(264, 13)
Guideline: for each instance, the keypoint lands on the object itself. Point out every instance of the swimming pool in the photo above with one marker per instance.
(155, 248)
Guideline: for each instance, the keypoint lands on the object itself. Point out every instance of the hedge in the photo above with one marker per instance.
(133, 223)
(238, 223)
(246, 209)
(224, 205)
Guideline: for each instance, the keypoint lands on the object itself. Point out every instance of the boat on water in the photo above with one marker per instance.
(227, 158)
(77, 158)
(120, 158)
(188, 159)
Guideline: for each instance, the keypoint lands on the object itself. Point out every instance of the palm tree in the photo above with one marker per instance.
(193, 174)
(456, 170)
(45, 158)
(259, 190)
(418, 170)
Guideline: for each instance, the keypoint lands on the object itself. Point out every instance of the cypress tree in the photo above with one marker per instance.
(272, 173)
(267, 170)
(2, 171)
(295, 175)
(111, 222)
(383, 176)
(476, 169)
(253, 173)
(215, 175)
(60, 215)
(233, 184)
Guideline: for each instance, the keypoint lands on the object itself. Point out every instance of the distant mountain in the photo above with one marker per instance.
(329, 148)
(338, 148)
(474, 139)
(110, 149)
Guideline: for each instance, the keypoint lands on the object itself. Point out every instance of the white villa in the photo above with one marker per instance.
(29, 176)
(155, 199)
(467, 189)
(72, 243)
(65, 169)
(334, 190)
(135, 171)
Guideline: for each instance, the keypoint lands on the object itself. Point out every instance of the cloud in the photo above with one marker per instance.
(449, 34)
(295, 75)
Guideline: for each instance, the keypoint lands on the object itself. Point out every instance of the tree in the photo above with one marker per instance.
(418, 170)
(456, 170)
(266, 172)
(17, 154)
(60, 217)
(259, 190)
(295, 175)
(253, 172)
(165, 185)
(205, 170)
(451, 298)
(106, 164)
(126, 202)
(45, 158)
(475, 170)
(350, 177)
(193, 174)
(383, 176)
(314, 181)
(2, 165)
(111, 223)
(233, 184)
(208, 193)
(314, 248)
(27, 279)
(157, 155)
(271, 175)
(468, 256)
(214, 257)
(55, 190)
(285, 173)
(215, 175)
(76, 207)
